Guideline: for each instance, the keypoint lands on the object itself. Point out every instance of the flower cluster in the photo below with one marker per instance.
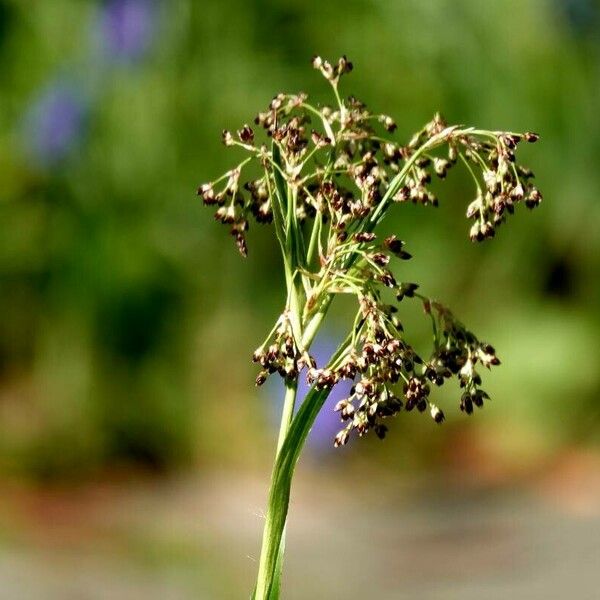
(327, 176)
(231, 205)
(280, 354)
(390, 375)
(490, 160)
(504, 182)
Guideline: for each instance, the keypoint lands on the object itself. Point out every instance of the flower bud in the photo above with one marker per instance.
(227, 138)
(436, 414)
(246, 135)
(261, 377)
(341, 438)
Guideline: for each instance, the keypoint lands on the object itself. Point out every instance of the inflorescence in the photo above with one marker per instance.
(327, 175)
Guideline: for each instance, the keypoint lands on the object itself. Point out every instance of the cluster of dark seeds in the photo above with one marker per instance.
(326, 177)
(505, 183)
(231, 207)
(390, 375)
(357, 155)
(280, 354)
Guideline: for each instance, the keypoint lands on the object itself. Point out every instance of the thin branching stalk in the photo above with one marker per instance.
(328, 175)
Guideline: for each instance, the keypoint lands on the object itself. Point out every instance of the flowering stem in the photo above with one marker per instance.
(267, 587)
(325, 227)
(273, 541)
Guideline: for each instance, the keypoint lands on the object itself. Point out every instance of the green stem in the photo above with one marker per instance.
(289, 401)
(267, 587)
(291, 389)
(273, 541)
(314, 239)
(269, 549)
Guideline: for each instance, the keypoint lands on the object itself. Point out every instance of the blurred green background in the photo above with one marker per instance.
(127, 319)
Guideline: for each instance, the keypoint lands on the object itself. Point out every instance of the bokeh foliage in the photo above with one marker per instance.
(127, 318)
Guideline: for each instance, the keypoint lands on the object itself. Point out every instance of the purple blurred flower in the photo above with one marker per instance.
(327, 423)
(127, 28)
(55, 123)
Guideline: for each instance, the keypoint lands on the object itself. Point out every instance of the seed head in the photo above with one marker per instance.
(531, 137)
(341, 438)
(325, 176)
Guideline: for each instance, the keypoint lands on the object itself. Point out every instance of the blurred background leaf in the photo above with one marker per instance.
(127, 318)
